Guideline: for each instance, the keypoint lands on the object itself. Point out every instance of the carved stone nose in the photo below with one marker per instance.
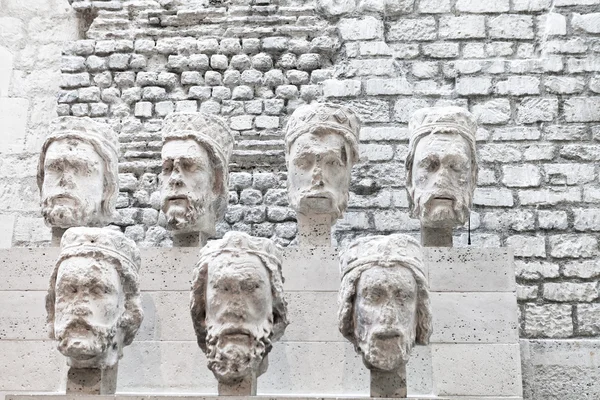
(317, 178)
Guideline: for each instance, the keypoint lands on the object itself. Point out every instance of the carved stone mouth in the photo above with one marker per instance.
(177, 197)
(388, 335)
(447, 198)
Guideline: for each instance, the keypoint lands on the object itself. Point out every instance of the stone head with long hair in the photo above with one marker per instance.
(384, 299)
(237, 304)
(78, 173)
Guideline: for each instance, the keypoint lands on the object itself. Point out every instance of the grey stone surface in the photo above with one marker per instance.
(459, 370)
(560, 369)
(470, 269)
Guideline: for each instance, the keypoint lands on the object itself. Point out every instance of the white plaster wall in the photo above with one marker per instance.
(32, 34)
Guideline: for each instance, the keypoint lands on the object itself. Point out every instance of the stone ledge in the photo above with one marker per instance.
(172, 397)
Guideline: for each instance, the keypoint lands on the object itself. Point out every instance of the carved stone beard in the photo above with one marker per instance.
(384, 349)
(192, 217)
(87, 345)
(76, 212)
(436, 216)
(235, 352)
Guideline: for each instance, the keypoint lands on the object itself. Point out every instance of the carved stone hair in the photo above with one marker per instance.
(440, 120)
(393, 251)
(213, 134)
(234, 243)
(106, 144)
(123, 254)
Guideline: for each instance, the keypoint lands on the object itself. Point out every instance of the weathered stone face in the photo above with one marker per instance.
(73, 185)
(239, 314)
(93, 301)
(237, 304)
(384, 300)
(385, 312)
(89, 304)
(187, 186)
(319, 174)
(441, 176)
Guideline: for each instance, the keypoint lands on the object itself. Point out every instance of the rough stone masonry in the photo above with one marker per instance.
(528, 69)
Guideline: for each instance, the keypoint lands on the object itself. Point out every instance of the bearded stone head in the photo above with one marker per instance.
(237, 304)
(78, 173)
(384, 300)
(441, 166)
(195, 169)
(321, 147)
(93, 301)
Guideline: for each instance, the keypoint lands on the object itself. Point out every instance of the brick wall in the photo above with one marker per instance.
(527, 69)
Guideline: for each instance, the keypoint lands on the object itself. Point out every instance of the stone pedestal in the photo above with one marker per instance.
(474, 350)
(189, 239)
(57, 234)
(92, 380)
(246, 387)
(389, 384)
(436, 237)
(314, 230)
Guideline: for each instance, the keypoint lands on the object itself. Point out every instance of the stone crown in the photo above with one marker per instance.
(236, 242)
(109, 242)
(442, 119)
(386, 251)
(308, 118)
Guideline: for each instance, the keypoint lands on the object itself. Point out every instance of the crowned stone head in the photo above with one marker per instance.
(384, 299)
(196, 151)
(93, 302)
(78, 173)
(321, 143)
(441, 166)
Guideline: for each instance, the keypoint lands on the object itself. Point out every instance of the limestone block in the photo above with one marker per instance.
(31, 231)
(361, 29)
(314, 269)
(474, 6)
(7, 222)
(166, 316)
(313, 316)
(548, 320)
(22, 315)
(6, 67)
(589, 23)
(470, 270)
(13, 124)
(476, 370)
(561, 369)
(474, 318)
(31, 365)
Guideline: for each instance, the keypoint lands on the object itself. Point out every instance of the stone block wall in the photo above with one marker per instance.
(32, 36)
(528, 69)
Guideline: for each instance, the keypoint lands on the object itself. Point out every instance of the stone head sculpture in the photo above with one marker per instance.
(321, 146)
(441, 166)
(195, 170)
(78, 173)
(237, 304)
(93, 302)
(384, 299)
